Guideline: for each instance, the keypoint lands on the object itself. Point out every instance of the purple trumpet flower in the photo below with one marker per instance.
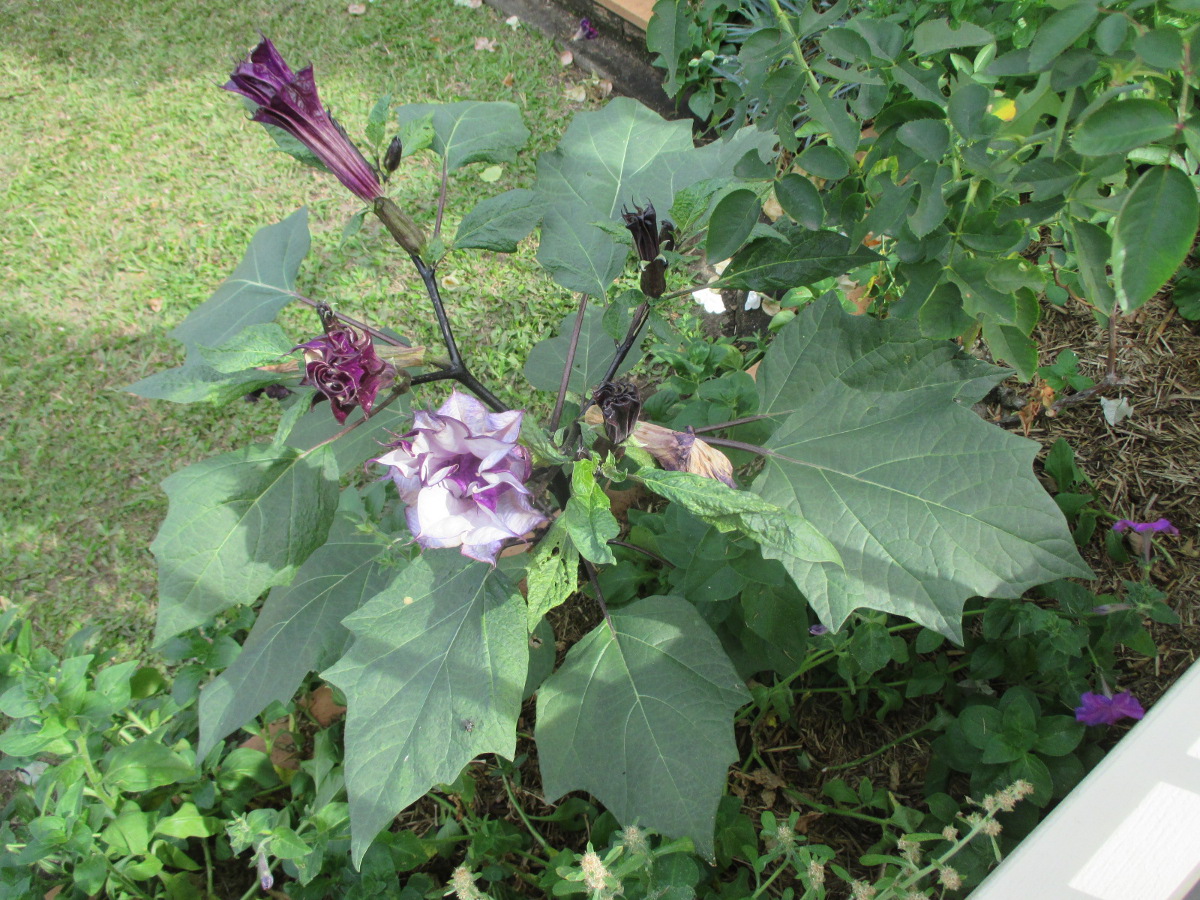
(1102, 709)
(289, 100)
(1163, 525)
(462, 474)
(343, 366)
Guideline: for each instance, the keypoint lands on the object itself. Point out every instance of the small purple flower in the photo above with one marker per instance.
(1162, 525)
(289, 100)
(1101, 709)
(265, 879)
(586, 31)
(343, 365)
(818, 630)
(462, 474)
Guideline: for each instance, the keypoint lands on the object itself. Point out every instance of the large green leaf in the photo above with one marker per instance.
(808, 256)
(593, 355)
(236, 525)
(588, 517)
(196, 382)
(472, 130)
(553, 573)
(500, 223)
(926, 503)
(667, 35)
(1153, 233)
(298, 631)
(433, 679)
(260, 286)
(352, 449)
(1121, 125)
(640, 715)
(621, 155)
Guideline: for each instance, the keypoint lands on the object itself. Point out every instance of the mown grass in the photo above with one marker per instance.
(130, 185)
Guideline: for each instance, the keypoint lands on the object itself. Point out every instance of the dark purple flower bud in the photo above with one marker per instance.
(621, 404)
(586, 31)
(818, 630)
(344, 367)
(277, 391)
(289, 100)
(1101, 709)
(462, 474)
(1161, 525)
(643, 225)
(393, 155)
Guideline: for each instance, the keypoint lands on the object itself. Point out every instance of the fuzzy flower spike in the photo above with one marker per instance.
(289, 100)
(462, 474)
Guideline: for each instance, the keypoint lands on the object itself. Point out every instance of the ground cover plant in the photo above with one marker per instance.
(839, 552)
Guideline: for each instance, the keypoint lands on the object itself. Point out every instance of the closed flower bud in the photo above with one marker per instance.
(393, 155)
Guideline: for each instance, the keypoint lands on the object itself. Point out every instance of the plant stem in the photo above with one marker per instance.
(361, 326)
(591, 570)
(797, 50)
(881, 750)
(93, 775)
(441, 205)
(744, 420)
(833, 810)
(512, 798)
(556, 415)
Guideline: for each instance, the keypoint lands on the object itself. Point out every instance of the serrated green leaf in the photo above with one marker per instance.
(732, 220)
(640, 715)
(936, 35)
(255, 345)
(471, 130)
(261, 285)
(667, 35)
(1121, 125)
(432, 680)
(232, 530)
(588, 517)
(621, 155)
(809, 256)
(926, 503)
(593, 355)
(299, 630)
(829, 111)
(500, 223)
(553, 573)
(1153, 233)
(187, 822)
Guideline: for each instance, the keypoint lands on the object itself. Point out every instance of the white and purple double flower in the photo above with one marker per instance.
(462, 474)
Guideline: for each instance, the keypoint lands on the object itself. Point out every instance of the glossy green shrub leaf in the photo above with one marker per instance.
(231, 533)
(1110, 33)
(732, 220)
(936, 35)
(1120, 126)
(824, 162)
(1012, 346)
(640, 715)
(472, 131)
(432, 680)
(929, 138)
(801, 200)
(1160, 47)
(299, 630)
(1093, 250)
(1153, 233)
(1060, 31)
(877, 428)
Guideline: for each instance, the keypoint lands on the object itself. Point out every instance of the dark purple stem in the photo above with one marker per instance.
(566, 375)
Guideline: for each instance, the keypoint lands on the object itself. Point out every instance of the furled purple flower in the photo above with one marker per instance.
(586, 31)
(266, 880)
(1162, 525)
(818, 630)
(342, 364)
(289, 100)
(1101, 709)
(462, 474)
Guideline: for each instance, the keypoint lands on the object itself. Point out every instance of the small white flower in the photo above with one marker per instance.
(753, 300)
(711, 300)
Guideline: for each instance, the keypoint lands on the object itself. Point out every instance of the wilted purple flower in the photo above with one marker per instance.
(289, 100)
(1163, 525)
(462, 474)
(649, 240)
(1100, 709)
(342, 364)
(620, 403)
(265, 879)
(818, 630)
(586, 31)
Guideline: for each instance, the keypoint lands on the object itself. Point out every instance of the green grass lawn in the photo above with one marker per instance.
(130, 184)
